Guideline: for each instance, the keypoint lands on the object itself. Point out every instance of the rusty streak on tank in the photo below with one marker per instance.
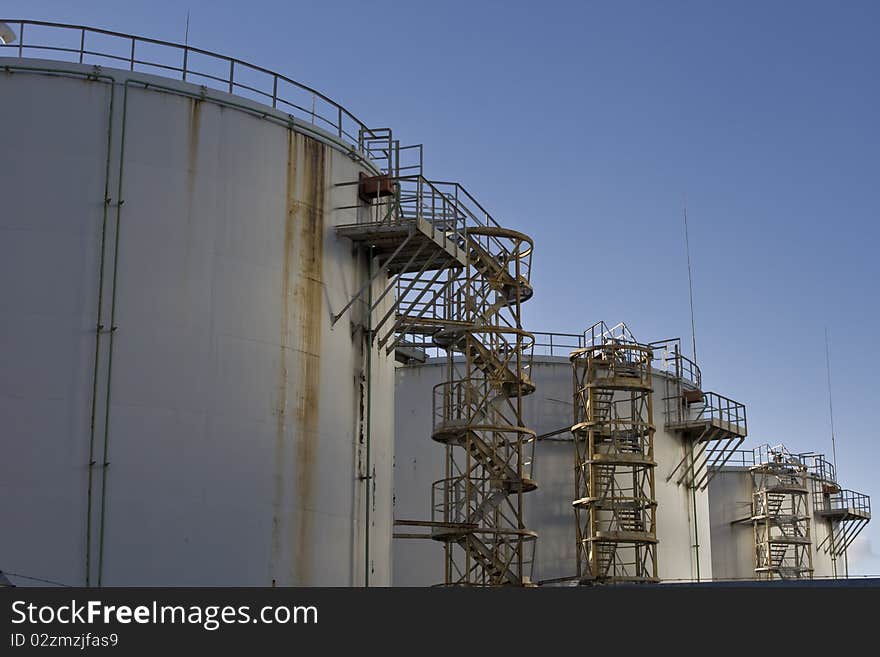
(309, 297)
(195, 121)
(194, 129)
(301, 319)
(284, 338)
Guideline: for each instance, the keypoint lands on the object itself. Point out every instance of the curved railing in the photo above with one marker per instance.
(88, 45)
(452, 505)
(628, 358)
(820, 467)
(668, 354)
(438, 200)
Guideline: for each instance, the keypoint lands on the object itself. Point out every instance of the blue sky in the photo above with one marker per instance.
(584, 123)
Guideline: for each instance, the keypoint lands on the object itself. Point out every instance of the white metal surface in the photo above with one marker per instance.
(419, 461)
(229, 412)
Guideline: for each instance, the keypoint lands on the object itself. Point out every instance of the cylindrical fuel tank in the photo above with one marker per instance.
(175, 406)
(682, 513)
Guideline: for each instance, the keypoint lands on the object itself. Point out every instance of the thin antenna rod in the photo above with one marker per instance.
(687, 247)
(831, 405)
(186, 33)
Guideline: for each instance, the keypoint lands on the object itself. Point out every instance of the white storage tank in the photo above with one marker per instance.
(176, 408)
(834, 517)
(684, 551)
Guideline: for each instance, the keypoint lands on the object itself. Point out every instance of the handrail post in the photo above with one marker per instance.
(274, 91)
(20, 39)
(185, 54)
(82, 43)
(231, 74)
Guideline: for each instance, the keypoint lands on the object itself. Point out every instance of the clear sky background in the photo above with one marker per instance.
(584, 123)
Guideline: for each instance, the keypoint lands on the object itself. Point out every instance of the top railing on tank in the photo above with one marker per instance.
(615, 343)
(819, 466)
(670, 359)
(441, 201)
(89, 45)
(816, 464)
(601, 334)
(741, 458)
(748, 458)
(666, 357)
(778, 455)
(557, 344)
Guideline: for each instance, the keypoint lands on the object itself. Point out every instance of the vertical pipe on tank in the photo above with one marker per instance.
(368, 339)
(98, 329)
(696, 526)
(105, 463)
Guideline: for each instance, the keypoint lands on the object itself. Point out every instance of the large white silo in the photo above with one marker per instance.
(684, 549)
(177, 405)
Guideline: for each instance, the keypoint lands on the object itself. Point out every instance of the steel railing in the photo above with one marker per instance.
(779, 455)
(557, 344)
(600, 334)
(819, 466)
(461, 500)
(549, 343)
(846, 500)
(741, 458)
(461, 400)
(451, 210)
(816, 464)
(716, 408)
(669, 359)
(87, 45)
(667, 353)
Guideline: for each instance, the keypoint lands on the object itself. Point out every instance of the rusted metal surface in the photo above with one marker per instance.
(692, 396)
(302, 295)
(308, 317)
(371, 188)
(279, 461)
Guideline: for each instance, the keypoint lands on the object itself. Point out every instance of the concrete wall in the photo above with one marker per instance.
(419, 461)
(216, 435)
